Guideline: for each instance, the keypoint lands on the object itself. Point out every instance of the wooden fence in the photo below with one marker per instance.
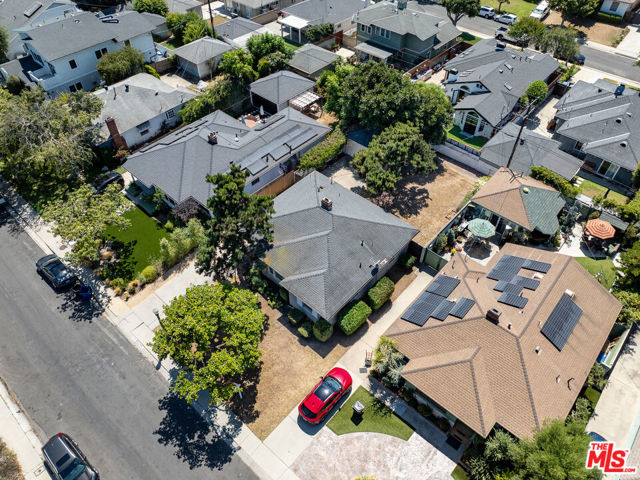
(279, 185)
(442, 58)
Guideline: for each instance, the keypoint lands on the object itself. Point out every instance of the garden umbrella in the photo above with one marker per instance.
(600, 229)
(481, 228)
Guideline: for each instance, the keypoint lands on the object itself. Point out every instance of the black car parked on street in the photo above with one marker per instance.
(55, 272)
(65, 460)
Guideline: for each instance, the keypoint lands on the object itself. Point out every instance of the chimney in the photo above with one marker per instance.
(493, 315)
(213, 138)
(126, 88)
(326, 203)
(118, 141)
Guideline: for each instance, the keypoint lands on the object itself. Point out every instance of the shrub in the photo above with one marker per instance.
(380, 292)
(322, 330)
(319, 155)
(353, 315)
(295, 317)
(607, 17)
(149, 273)
(159, 7)
(120, 64)
(630, 236)
(554, 180)
(451, 238)
(14, 85)
(169, 225)
(117, 291)
(631, 211)
(318, 32)
(408, 261)
(10, 468)
(152, 71)
(117, 283)
(284, 295)
(569, 72)
(305, 329)
(440, 243)
(424, 410)
(133, 286)
(141, 279)
(594, 214)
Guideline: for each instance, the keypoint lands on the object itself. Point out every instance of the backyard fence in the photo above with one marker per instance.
(279, 185)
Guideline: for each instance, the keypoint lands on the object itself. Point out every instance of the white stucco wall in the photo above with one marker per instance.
(620, 11)
(133, 136)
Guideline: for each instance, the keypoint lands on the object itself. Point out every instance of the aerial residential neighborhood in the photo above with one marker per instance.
(319, 240)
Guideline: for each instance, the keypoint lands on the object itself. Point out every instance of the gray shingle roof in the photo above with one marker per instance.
(179, 162)
(183, 6)
(146, 98)
(533, 150)
(202, 50)
(84, 30)
(607, 125)
(506, 74)
(310, 58)
(237, 27)
(281, 86)
(324, 11)
(326, 257)
(408, 21)
(20, 68)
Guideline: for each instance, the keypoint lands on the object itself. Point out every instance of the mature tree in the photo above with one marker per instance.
(158, 7)
(456, 9)
(240, 225)
(186, 210)
(574, 8)
(177, 23)
(212, 332)
(238, 64)
(4, 44)
(14, 85)
(83, 218)
(535, 93)
(630, 300)
(45, 144)
(527, 30)
(195, 30)
(265, 44)
(272, 63)
(630, 261)
(330, 85)
(120, 64)
(433, 112)
(500, 2)
(400, 150)
(561, 42)
(318, 32)
(214, 98)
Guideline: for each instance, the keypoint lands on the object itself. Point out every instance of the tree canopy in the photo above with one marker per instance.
(398, 151)
(561, 42)
(238, 64)
(266, 44)
(240, 225)
(535, 93)
(177, 23)
(83, 218)
(456, 9)
(630, 261)
(527, 30)
(120, 64)
(4, 44)
(272, 63)
(318, 32)
(159, 7)
(574, 8)
(196, 29)
(213, 333)
(330, 85)
(630, 306)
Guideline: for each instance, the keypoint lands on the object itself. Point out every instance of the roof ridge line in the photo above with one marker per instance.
(301, 238)
(476, 391)
(409, 226)
(448, 364)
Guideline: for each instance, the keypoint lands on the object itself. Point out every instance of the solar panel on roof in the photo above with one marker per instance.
(506, 268)
(443, 285)
(302, 138)
(422, 308)
(562, 321)
(528, 283)
(416, 317)
(536, 266)
(462, 307)
(513, 300)
(512, 288)
(443, 310)
(500, 285)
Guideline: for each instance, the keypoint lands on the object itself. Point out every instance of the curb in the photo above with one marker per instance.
(21, 418)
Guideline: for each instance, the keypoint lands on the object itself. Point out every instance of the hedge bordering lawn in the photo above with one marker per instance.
(319, 155)
(353, 315)
(322, 330)
(380, 292)
(554, 180)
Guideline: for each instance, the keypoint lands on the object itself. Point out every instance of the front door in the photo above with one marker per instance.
(470, 124)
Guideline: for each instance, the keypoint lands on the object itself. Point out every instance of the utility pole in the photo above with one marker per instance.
(515, 144)
(213, 30)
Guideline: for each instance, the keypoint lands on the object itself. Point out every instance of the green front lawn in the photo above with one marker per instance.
(591, 189)
(592, 395)
(136, 244)
(593, 266)
(517, 7)
(377, 417)
(475, 142)
(459, 474)
(467, 37)
(171, 44)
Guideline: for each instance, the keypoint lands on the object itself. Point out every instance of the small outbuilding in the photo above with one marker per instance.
(275, 91)
(199, 59)
(310, 61)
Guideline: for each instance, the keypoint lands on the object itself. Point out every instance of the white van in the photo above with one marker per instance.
(541, 11)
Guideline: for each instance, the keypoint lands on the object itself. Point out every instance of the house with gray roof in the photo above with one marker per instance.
(237, 31)
(311, 60)
(294, 20)
(599, 123)
(533, 150)
(253, 8)
(331, 245)
(485, 84)
(138, 109)
(179, 162)
(66, 52)
(184, 6)
(274, 91)
(199, 59)
(402, 31)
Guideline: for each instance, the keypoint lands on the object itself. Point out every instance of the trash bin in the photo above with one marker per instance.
(358, 407)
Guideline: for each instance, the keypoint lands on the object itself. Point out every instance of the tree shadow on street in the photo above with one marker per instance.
(194, 440)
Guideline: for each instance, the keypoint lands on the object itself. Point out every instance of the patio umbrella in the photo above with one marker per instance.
(600, 229)
(481, 228)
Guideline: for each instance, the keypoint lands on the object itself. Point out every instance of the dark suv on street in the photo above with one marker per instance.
(55, 272)
(66, 461)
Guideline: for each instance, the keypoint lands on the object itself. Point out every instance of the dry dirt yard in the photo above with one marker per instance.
(598, 32)
(292, 365)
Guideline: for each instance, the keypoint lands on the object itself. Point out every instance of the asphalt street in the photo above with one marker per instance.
(73, 372)
(605, 61)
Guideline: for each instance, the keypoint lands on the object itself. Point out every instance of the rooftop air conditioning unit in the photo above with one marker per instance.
(493, 315)
(538, 276)
(570, 293)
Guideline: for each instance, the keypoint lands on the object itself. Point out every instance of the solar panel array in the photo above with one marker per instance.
(510, 283)
(536, 266)
(433, 302)
(443, 285)
(562, 321)
(462, 307)
(513, 300)
(423, 308)
(503, 286)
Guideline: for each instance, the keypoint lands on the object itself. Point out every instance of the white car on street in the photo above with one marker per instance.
(487, 12)
(507, 18)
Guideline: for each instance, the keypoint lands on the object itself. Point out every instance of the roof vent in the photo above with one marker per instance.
(525, 190)
(629, 114)
(500, 70)
(213, 138)
(493, 315)
(538, 349)
(570, 293)
(558, 379)
(623, 144)
(126, 88)
(236, 139)
(538, 276)
(618, 120)
(326, 203)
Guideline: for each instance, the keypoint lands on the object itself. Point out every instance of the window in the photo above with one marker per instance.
(144, 132)
(376, 30)
(75, 88)
(362, 27)
(255, 181)
(578, 146)
(73, 64)
(100, 53)
(614, 6)
(170, 113)
(368, 28)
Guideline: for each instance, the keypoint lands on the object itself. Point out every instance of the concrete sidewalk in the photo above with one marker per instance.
(630, 45)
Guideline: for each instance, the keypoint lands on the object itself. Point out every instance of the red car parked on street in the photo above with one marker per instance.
(325, 395)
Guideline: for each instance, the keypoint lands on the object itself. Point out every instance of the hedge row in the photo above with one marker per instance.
(319, 155)
(607, 18)
(380, 292)
(353, 315)
(295, 317)
(322, 330)
(554, 180)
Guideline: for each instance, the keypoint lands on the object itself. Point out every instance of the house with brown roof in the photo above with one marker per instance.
(510, 343)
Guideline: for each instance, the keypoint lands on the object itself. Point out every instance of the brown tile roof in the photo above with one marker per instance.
(501, 194)
(487, 374)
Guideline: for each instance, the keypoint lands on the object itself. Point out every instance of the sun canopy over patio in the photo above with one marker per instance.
(600, 229)
(481, 228)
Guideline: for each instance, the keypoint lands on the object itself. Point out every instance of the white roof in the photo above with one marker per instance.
(293, 21)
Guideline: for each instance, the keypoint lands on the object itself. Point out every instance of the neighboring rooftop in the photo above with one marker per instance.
(281, 86)
(533, 150)
(327, 256)
(505, 73)
(183, 6)
(201, 50)
(605, 118)
(136, 100)
(238, 30)
(310, 58)
(179, 163)
(523, 200)
(521, 368)
(315, 12)
(84, 30)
